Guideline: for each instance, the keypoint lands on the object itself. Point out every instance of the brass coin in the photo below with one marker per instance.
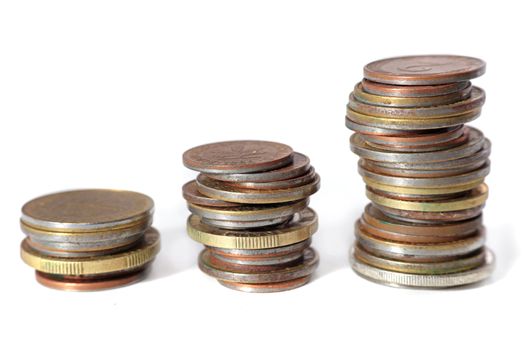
(412, 90)
(300, 228)
(299, 166)
(424, 70)
(472, 199)
(236, 157)
(128, 260)
(474, 102)
(87, 210)
(412, 123)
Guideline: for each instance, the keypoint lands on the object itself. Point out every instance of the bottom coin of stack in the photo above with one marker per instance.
(88, 240)
(256, 226)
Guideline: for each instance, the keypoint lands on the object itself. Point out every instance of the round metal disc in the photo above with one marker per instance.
(235, 157)
(424, 70)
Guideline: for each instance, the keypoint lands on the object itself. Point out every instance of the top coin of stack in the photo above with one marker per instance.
(424, 171)
(89, 239)
(250, 208)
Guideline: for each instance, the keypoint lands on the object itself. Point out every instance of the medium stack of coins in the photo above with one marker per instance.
(249, 208)
(89, 239)
(424, 172)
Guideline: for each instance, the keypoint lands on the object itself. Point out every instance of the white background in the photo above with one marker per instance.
(110, 93)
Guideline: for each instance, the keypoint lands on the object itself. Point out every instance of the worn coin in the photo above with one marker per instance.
(193, 196)
(412, 90)
(233, 157)
(424, 70)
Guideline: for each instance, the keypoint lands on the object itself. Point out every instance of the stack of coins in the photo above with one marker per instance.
(89, 239)
(249, 208)
(424, 172)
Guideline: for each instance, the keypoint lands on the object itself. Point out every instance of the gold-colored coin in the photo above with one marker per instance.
(128, 260)
(420, 190)
(300, 228)
(474, 198)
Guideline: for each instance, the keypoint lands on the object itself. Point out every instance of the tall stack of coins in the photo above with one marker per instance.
(89, 239)
(249, 208)
(424, 172)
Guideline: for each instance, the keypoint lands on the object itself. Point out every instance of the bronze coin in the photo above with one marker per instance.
(237, 157)
(424, 70)
(90, 283)
(87, 210)
(267, 287)
(299, 166)
(192, 195)
(412, 91)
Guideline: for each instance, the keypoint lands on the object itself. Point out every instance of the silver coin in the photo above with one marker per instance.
(242, 225)
(398, 279)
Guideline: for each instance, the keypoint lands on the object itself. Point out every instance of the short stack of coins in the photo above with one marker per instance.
(424, 172)
(86, 240)
(249, 208)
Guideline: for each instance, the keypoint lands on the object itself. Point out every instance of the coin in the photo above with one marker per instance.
(424, 70)
(394, 101)
(128, 260)
(428, 216)
(299, 166)
(300, 228)
(425, 281)
(267, 287)
(87, 210)
(278, 185)
(235, 157)
(223, 191)
(192, 195)
(412, 90)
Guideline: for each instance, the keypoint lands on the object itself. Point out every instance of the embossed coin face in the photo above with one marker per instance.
(424, 70)
(85, 210)
(240, 157)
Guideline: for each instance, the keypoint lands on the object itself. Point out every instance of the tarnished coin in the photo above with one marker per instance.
(429, 216)
(193, 196)
(424, 70)
(225, 192)
(390, 101)
(87, 210)
(412, 90)
(474, 102)
(278, 185)
(299, 166)
(236, 157)
(423, 138)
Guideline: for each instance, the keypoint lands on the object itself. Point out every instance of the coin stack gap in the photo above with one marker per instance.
(87, 240)
(249, 207)
(424, 172)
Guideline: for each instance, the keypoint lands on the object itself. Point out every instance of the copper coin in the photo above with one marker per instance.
(192, 195)
(299, 166)
(412, 91)
(87, 283)
(424, 70)
(423, 138)
(237, 157)
(267, 287)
